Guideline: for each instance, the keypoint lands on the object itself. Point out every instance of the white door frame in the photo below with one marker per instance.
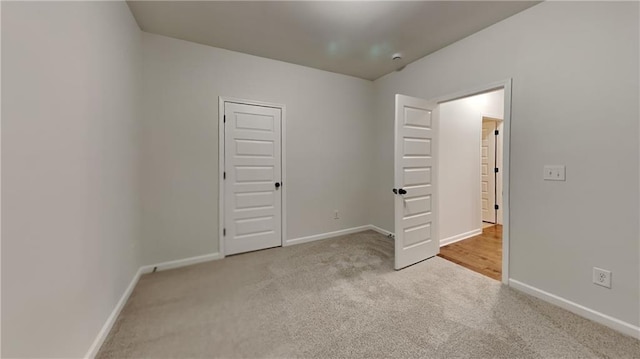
(506, 153)
(221, 158)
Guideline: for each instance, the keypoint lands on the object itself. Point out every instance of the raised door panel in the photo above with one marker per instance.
(415, 172)
(253, 204)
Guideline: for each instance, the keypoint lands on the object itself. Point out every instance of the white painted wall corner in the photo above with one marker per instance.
(316, 237)
(181, 262)
(381, 231)
(106, 328)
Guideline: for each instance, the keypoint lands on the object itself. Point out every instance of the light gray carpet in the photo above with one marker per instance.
(341, 298)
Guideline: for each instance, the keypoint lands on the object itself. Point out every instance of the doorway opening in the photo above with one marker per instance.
(438, 180)
(471, 176)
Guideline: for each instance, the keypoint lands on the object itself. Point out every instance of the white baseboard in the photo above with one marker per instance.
(611, 322)
(380, 230)
(460, 237)
(316, 237)
(106, 328)
(341, 232)
(181, 262)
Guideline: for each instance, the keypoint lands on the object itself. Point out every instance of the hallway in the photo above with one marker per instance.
(482, 253)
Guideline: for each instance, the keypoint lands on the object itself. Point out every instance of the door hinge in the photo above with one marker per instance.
(496, 207)
(224, 119)
(496, 170)
(224, 232)
(224, 175)
(496, 132)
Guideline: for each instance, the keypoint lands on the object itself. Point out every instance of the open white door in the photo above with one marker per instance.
(488, 174)
(415, 167)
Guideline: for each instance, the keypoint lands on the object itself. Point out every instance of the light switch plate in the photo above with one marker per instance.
(554, 173)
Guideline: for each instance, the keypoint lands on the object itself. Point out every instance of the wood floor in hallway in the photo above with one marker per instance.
(482, 253)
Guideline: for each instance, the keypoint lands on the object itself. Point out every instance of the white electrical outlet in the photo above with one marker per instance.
(602, 277)
(336, 215)
(554, 173)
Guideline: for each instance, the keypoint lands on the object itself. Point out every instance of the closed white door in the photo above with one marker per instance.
(252, 178)
(487, 170)
(416, 191)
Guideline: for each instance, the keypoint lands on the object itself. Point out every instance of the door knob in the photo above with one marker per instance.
(402, 191)
(277, 185)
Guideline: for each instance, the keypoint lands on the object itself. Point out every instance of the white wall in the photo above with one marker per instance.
(328, 134)
(69, 183)
(459, 174)
(575, 102)
(70, 205)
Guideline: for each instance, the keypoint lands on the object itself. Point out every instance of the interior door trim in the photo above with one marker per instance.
(505, 84)
(221, 159)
